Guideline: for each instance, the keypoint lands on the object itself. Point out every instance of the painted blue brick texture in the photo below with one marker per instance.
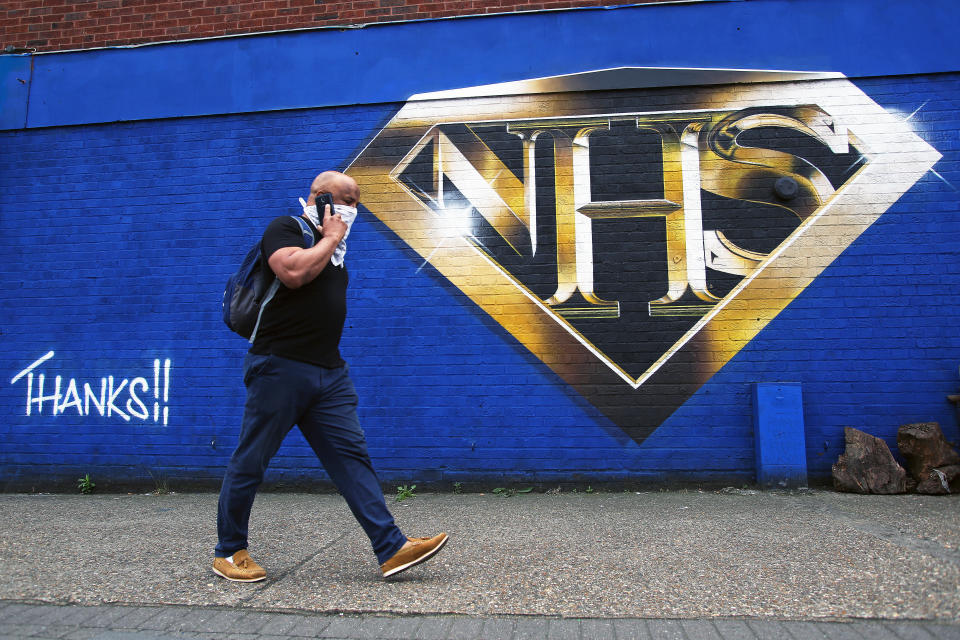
(117, 240)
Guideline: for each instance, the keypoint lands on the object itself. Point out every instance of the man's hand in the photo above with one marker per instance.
(333, 225)
(296, 266)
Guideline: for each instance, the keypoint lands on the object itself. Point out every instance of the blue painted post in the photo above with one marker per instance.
(778, 434)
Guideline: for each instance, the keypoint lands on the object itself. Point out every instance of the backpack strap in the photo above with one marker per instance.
(274, 287)
(308, 239)
(308, 242)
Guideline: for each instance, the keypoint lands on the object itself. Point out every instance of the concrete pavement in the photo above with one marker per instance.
(690, 564)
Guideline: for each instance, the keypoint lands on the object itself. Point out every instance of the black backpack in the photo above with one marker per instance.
(250, 289)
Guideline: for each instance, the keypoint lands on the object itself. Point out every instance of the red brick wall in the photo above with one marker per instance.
(52, 25)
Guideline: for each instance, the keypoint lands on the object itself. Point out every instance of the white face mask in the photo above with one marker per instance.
(311, 212)
(348, 214)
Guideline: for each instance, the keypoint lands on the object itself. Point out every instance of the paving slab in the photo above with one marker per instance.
(564, 629)
(462, 628)
(435, 628)
(632, 630)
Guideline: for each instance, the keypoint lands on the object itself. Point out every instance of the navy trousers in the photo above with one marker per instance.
(323, 403)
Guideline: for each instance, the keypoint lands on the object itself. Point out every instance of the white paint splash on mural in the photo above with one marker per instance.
(126, 398)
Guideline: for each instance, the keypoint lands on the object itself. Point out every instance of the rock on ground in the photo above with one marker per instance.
(867, 466)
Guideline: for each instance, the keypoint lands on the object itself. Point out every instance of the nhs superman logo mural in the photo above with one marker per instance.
(635, 228)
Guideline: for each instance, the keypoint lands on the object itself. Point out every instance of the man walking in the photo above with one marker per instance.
(294, 375)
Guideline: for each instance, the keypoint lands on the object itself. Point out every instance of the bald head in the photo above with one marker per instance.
(343, 188)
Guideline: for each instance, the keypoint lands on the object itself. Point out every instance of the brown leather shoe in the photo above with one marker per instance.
(242, 569)
(416, 550)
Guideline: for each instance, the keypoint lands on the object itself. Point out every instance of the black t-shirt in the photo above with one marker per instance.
(303, 324)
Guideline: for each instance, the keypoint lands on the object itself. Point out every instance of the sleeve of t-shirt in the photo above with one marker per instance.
(282, 232)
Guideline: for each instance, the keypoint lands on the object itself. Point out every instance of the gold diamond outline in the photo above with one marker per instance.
(898, 158)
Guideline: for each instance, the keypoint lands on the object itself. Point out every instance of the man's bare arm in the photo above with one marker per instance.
(296, 266)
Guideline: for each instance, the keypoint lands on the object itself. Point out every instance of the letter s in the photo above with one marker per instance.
(143, 414)
(748, 173)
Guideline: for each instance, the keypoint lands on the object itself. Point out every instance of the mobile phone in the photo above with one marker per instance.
(324, 199)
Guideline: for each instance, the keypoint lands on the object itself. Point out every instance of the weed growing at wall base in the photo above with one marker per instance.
(161, 485)
(404, 492)
(85, 484)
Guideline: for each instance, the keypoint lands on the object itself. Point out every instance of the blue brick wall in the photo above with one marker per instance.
(117, 239)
